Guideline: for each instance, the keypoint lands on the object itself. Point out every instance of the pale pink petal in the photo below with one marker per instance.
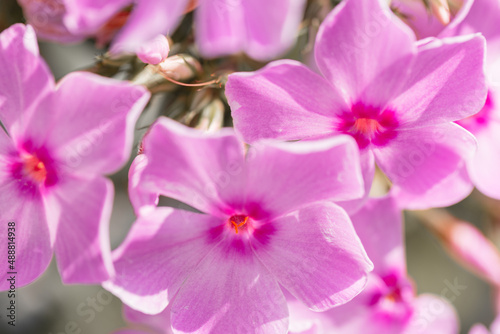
(476, 21)
(25, 79)
(479, 329)
(87, 16)
(367, 161)
(423, 22)
(47, 18)
(160, 321)
(33, 246)
(446, 83)
(379, 227)
(433, 315)
(92, 122)
(284, 100)
(282, 177)
(364, 49)
(316, 255)
(220, 27)
(204, 171)
(82, 208)
(148, 19)
(418, 160)
(451, 190)
(230, 292)
(272, 31)
(471, 248)
(141, 199)
(483, 168)
(305, 321)
(154, 51)
(160, 252)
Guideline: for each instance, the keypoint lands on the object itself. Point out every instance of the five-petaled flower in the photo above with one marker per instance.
(269, 219)
(59, 141)
(396, 97)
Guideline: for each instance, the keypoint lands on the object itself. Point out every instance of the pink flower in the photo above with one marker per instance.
(485, 125)
(388, 304)
(60, 140)
(67, 21)
(265, 223)
(223, 27)
(397, 98)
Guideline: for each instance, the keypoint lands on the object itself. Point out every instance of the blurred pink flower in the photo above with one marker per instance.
(223, 27)
(485, 125)
(58, 143)
(397, 98)
(388, 305)
(266, 223)
(480, 329)
(154, 51)
(443, 15)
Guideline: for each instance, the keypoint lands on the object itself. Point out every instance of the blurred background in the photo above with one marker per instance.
(49, 307)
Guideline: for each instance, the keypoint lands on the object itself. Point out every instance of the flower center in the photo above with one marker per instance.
(368, 125)
(238, 222)
(34, 168)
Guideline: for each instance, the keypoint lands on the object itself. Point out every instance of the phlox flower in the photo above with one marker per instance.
(397, 98)
(268, 220)
(153, 324)
(388, 305)
(222, 27)
(485, 125)
(58, 142)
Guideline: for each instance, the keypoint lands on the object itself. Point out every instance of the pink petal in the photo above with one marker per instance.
(433, 314)
(220, 28)
(418, 161)
(475, 21)
(92, 122)
(160, 252)
(154, 51)
(367, 161)
(364, 49)
(451, 190)
(284, 100)
(316, 255)
(230, 292)
(33, 245)
(82, 208)
(203, 171)
(160, 321)
(85, 17)
(379, 227)
(483, 168)
(25, 79)
(148, 19)
(47, 18)
(141, 199)
(282, 177)
(272, 31)
(479, 329)
(446, 83)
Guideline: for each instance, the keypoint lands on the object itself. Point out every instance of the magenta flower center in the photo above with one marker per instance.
(369, 125)
(239, 223)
